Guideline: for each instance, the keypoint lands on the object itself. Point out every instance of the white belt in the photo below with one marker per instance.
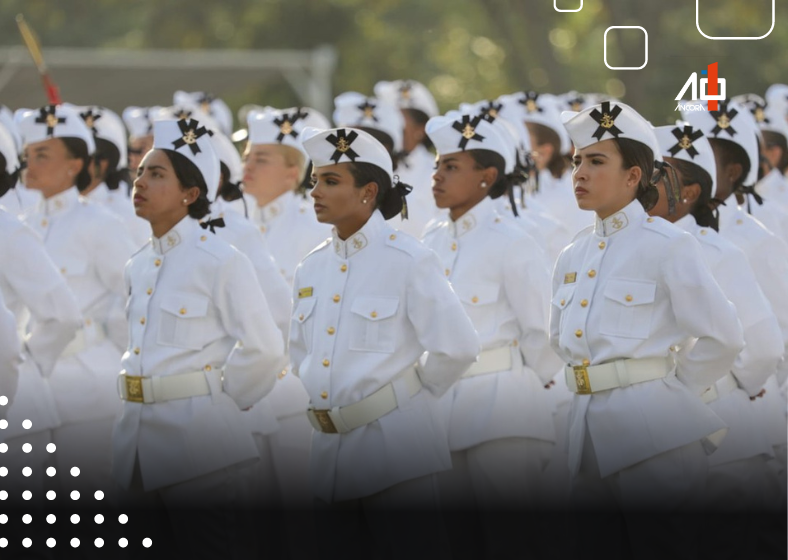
(342, 419)
(721, 388)
(490, 361)
(85, 338)
(585, 380)
(148, 390)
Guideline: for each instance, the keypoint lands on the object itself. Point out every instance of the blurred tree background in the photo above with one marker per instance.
(464, 50)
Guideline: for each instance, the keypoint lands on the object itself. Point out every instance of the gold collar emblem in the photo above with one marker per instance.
(357, 243)
(617, 223)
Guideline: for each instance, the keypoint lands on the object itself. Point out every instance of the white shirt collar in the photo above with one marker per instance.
(619, 221)
(359, 240)
(60, 202)
(276, 207)
(174, 237)
(483, 212)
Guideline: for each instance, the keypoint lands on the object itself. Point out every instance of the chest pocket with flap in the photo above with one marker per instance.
(185, 323)
(373, 324)
(628, 308)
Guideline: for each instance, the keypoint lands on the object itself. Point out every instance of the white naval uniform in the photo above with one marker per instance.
(20, 200)
(771, 215)
(10, 358)
(416, 170)
(774, 188)
(90, 247)
(47, 317)
(500, 422)
(637, 287)
(365, 311)
(194, 306)
(738, 476)
(551, 234)
(244, 236)
(290, 229)
(768, 256)
(120, 205)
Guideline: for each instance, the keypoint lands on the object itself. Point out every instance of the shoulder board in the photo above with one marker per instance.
(320, 247)
(405, 243)
(663, 227)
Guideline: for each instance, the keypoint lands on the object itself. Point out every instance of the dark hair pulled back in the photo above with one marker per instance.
(7, 180)
(189, 176)
(107, 151)
(390, 199)
(78, 149)
(637, 154)
(692, 173)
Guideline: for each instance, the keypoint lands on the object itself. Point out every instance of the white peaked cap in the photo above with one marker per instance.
(768, 116)
(732, 122)
(455, 132)
(284, 126)
(228, 155)
(777, 96)
(106, 125)
(185, 111)
(139, 120)
(538, 108)
(408, 94)
(685, 142)
(610, 119)
(345, 145)
(52, 121)
(210, 105)
(7, 120)
(8, 149)
(193, 140)
(357, 110)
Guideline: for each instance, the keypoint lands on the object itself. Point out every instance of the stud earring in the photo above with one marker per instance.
(684, 200)
(186, 201)
(364, 201)
(484, 184)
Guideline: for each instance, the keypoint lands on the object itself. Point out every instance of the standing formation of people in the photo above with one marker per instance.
(534, 319)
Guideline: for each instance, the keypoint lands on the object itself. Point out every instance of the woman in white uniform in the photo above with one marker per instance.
(644, 330)
(90, 247)
(203, 348)
(369, 302)
(740, 481)
(499, 418)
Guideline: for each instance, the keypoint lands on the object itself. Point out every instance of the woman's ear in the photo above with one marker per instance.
(634, 175)
(490, 176)
(690, 193)
(733, 172)
(370, 191)
(191, 195)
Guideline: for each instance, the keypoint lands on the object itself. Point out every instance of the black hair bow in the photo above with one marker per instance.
(212, 224)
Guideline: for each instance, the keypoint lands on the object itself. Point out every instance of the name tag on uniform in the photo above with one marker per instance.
(304, 292)
(570, 278)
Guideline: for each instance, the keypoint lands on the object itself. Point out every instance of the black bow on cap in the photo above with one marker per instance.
(191, 133)
(724, 118)
(48, 117)
(685, 139)
(90, 119)
(342, 141)
(212, 224)
(368, 110)
(467, 127)
(286, 122)
(529, 100)
(606, 120)
(491, 110)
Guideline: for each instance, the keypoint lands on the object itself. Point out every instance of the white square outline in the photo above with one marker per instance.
(605, 47)
(555, 7)
(697, 25)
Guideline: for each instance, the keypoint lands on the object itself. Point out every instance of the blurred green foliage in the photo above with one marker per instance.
(464, 50)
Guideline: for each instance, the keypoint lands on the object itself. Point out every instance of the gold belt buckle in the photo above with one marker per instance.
(581, 380)
(134, 388)
(324, 420)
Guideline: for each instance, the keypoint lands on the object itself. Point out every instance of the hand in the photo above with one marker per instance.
(761, 394)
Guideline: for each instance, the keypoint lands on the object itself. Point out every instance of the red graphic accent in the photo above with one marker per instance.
(713, 87)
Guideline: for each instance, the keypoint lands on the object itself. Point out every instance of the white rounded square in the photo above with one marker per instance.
(697, 24)
(555, 6)
(625, 67)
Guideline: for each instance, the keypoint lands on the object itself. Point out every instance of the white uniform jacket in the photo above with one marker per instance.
(503, 281)
(638, 287)
(119, 204)
(90, 247)
(774, 188)
(366, 309)
(194, 305)
(47, 317)
(763, 348)
(290, 229)
(244, 236)
(10, 358)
